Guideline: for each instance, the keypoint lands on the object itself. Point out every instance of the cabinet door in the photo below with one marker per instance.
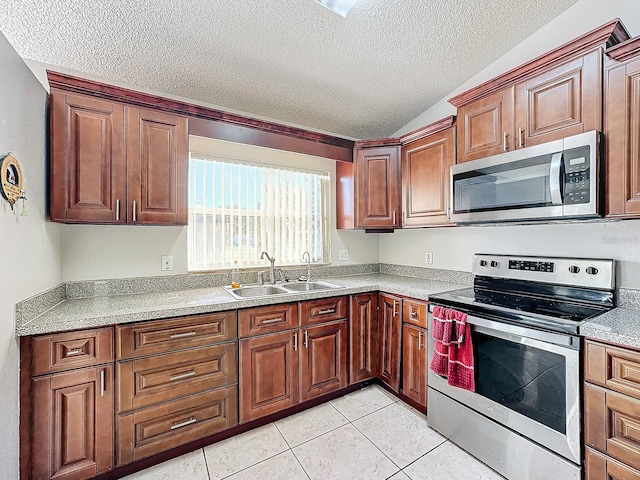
(425, 179)
(486, 126)
(414, 363)
(377, 187)
(363, 337)
(268, 374)
(158, 162)
(88, 181)
(601, 467)
(74, 423)
(563, 101)
(622, 130)
(323, 359)
(390, 309)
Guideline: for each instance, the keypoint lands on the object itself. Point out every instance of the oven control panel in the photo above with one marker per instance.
(582, 272)
(531, 266)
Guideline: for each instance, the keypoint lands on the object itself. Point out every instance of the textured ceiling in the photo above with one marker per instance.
(363, 76)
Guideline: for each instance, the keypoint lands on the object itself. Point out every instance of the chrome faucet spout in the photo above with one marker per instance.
(272, 267)
(307, 256)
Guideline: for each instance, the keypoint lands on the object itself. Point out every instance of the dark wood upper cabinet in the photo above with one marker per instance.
(553, 96)
(377, 186)
(425, 178)
(157, 156)
(116, 163)
(88, 181)
(622, 129)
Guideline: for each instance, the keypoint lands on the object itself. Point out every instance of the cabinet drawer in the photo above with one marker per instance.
(160, 378)
(269, 319)
(601, 467)
(154, 430)
(612, 424)
(66, 351)
(323, 310)
(614, 368)
(164, 336)
(415, 313)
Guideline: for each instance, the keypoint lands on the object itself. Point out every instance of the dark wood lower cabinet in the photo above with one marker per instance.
(72, 429)
(323, 359)
(601, 467)
(363, 337)
(414, 364)
(390, 317)
(268, 374)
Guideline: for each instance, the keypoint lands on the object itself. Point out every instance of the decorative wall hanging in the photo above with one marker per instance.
(11, 181)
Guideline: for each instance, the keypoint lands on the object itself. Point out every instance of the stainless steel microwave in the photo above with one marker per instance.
(559, 179)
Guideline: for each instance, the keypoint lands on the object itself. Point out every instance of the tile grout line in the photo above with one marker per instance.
(206, 464)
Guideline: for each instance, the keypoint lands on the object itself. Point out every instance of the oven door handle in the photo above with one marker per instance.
(506, 331)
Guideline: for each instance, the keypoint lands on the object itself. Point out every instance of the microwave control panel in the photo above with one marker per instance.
(577, 174)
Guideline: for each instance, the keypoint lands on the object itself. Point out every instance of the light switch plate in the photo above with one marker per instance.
(343, 255)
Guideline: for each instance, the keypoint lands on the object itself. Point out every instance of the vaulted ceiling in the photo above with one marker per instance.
(363, 76)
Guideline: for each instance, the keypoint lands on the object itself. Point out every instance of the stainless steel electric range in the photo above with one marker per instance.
(524, 417)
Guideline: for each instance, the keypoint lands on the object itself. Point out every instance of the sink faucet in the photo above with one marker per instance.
(272, 269)
(306, 256)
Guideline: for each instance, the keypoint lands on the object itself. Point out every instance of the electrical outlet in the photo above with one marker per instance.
(167, 263)
(428, 258)
(343, 255)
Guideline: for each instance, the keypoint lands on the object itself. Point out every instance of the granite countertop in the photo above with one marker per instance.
(620, 326)
(92, 312)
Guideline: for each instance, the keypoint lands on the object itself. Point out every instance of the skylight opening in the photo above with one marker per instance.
(341, 7)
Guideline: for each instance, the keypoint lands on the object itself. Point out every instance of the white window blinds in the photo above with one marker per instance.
(237, 210)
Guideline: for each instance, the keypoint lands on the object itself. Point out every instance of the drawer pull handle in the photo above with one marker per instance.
(183, 335)
(184, 424)
(413, 314)
(272, 320)
(328, 310)
(182, 375)
(75, 351)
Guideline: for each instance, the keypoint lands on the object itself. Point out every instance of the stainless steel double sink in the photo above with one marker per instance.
(253, 291)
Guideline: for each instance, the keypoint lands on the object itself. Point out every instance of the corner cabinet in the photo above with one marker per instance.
(113, 162)
(622, 129)
(553, 96)
(377, 185)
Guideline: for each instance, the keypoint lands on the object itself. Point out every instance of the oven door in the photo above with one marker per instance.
(526, 380)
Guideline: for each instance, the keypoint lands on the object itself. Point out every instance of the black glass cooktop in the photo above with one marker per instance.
(545, 306)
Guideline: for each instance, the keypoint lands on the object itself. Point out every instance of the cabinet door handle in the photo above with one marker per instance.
(419, 340)
(394, 309)
(520, 139)
(328, 310)
(306, 339)
(134, 211)
(272, 320)
(181, 376)
(504, 141)
(184, 424)
(295, 342)
(102, 384)
(72, 352)
(183, 335)
(117, 209)
(393, 217)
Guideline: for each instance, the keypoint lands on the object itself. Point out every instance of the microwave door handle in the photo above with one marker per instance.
(555, 180)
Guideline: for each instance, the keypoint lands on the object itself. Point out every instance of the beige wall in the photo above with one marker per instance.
(98, 252)
(30, 246)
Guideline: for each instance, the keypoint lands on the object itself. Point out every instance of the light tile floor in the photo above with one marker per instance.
(367, 435)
